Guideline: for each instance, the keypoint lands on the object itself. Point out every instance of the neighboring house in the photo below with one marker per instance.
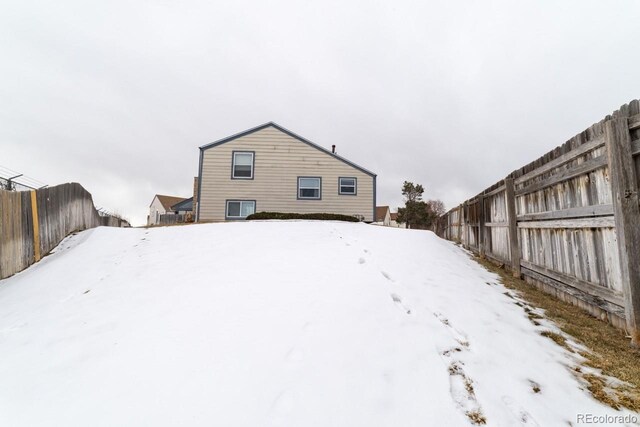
(394, 221)
(269, 168)
(383, 215)
(183, 207)
(161, 205)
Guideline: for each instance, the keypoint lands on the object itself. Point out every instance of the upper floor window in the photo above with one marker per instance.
(242, 165)
(348, 186)
(309, 188)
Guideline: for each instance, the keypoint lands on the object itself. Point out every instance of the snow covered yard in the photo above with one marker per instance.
(274, 324)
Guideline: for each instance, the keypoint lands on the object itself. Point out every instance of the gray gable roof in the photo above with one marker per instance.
(291, 134)
(185, 205)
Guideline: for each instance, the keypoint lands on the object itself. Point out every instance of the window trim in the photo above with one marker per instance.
(238, 218)
(355, 186)
(309, 198)
(233, 164)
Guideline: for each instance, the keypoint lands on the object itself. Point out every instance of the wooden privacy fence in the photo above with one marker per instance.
(170, 219)
(32, 223)
(568, 222)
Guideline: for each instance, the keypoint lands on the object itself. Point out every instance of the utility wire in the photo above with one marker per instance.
(12, 178)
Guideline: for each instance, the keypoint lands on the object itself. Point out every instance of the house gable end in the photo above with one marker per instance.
(291, 134)
(281, 154)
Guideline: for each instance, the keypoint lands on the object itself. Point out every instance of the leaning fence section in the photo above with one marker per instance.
(568, 222)
(32, 223)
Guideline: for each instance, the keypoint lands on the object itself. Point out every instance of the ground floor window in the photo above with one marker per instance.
(240, 209)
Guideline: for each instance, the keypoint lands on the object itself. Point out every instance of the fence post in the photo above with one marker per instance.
(481, 221)
(36, 226)
(465, 212)
(624, 189)
(459, 233)
(510, 197)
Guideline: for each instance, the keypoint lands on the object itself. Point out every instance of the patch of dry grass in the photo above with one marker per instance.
(535, 386)
(597, 387)
(557, 338)
(469, 386)
(610, 349)
(476, 417)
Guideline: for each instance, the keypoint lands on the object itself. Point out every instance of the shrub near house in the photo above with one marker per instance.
(310, 216)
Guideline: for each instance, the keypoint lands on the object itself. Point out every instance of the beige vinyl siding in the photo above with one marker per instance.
(279, 160)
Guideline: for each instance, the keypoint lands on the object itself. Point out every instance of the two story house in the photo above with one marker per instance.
(269, 168)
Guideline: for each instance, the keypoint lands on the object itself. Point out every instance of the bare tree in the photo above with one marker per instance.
(436, 207)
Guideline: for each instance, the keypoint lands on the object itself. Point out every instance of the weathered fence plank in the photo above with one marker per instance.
(459, 231)
(579, 212)
(624, 189)
(581, 169)
(597, 306)
(496, 224)
(559, 161)
(495, 191)
(466, 225)
(596, 222)
(481, 227)
(583, 285)
(36, 226)
(513, 226)
(496, 231)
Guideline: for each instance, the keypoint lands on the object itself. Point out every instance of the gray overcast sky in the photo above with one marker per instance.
(454, 95)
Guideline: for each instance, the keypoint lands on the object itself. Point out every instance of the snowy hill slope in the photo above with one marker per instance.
(273, 324)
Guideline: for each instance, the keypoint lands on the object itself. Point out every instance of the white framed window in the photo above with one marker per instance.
(348, 186)
(309, 187)
(242, 165)
(239, 209)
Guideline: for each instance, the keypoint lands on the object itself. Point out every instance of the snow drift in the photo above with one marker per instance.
(273, 324)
